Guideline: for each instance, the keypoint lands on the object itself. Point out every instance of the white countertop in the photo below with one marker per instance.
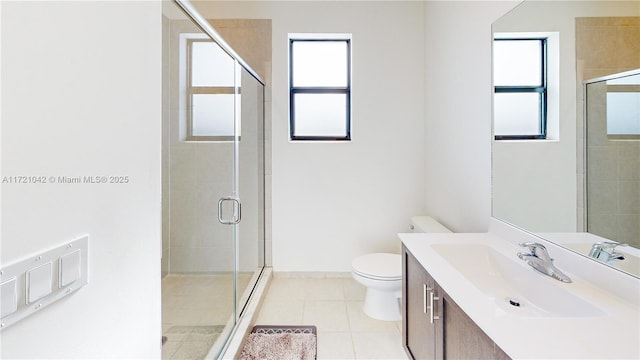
(612, 334)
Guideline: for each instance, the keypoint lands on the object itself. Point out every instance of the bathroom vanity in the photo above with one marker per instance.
(429, 313)
(470, 296)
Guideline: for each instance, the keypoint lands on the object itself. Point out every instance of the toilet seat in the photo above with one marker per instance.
(378, 266)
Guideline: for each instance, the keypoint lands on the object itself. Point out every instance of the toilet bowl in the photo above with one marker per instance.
(381, 274)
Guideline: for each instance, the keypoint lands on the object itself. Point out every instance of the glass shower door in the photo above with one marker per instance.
(213, 188)
(199, 152)
(222, 138)
(250, 231)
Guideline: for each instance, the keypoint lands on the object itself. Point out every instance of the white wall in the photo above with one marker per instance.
(166, 126)
(458, 111)
(334, 201)
(81, 96)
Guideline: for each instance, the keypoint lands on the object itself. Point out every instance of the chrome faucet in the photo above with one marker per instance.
(539, 259)
(605, 251)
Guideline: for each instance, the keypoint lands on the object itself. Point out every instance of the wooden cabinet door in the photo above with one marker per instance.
(463, 339)
(419, 336)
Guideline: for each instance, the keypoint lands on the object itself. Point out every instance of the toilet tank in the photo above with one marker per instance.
(427, 224)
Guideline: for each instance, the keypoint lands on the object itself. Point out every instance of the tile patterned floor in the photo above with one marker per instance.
(334, 305)
(194, 311)
(189, 342)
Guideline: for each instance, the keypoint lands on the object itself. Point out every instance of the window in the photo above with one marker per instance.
(210, 91)
(319, 87)
(623, 105)
(520, 88)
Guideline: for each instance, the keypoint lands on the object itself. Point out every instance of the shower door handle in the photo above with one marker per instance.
(237, 210)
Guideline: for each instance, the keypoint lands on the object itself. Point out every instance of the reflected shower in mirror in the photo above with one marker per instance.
(612, 114)
(539, 184)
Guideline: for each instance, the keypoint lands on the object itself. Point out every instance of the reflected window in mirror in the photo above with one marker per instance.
(520, 88)
(623, 106)
(210, 91)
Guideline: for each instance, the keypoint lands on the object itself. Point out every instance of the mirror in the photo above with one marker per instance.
(540, 184)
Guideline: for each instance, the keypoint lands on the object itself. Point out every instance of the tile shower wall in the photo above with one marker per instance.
(613, 176)
(251, 39)
(197, 174)
(200, 174)
(613, 166)
(607, 45)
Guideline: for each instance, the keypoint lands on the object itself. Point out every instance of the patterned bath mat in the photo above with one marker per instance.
(272, 342)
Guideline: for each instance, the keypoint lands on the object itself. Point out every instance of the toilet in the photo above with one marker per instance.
(381, 274)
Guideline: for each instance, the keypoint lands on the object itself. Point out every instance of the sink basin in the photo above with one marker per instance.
(515, 287)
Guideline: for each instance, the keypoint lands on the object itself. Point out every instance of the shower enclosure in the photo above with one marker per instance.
(213, 185)
(612, 139)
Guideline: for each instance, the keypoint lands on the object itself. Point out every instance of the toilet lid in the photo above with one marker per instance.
(379, 265)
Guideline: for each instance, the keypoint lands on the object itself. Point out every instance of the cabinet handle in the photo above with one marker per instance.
(432, 317)
(424, 297)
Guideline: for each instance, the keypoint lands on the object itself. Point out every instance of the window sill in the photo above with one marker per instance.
(527, 140)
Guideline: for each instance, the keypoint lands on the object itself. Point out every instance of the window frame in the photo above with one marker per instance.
(541, 89)
(293, 90)
(207, 90)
